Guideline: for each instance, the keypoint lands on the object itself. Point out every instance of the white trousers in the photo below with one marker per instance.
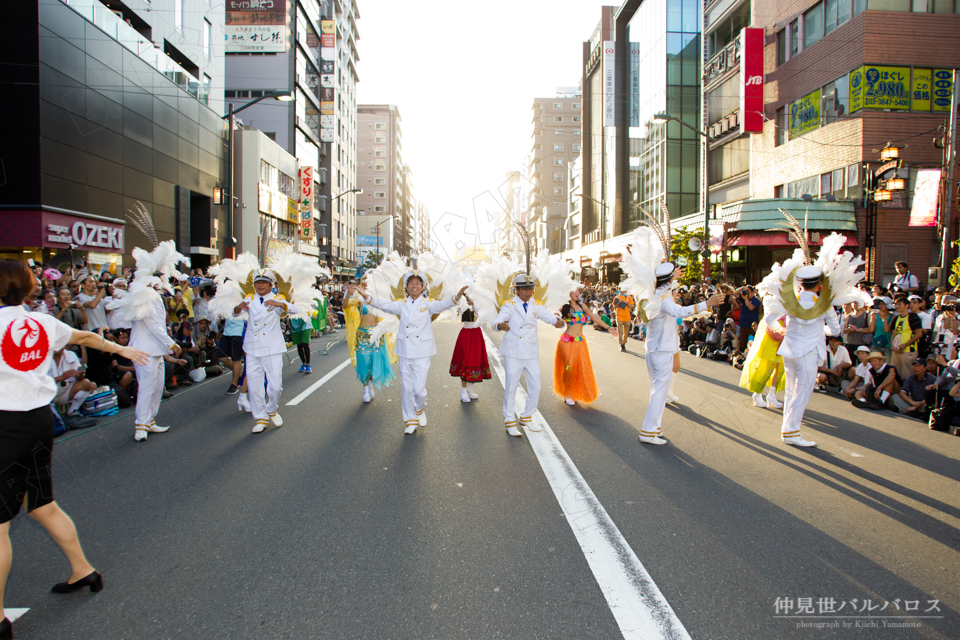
(513, 369)
(262, 406)
(801, 377)
(413, 388)
(660, 372)
(149, 390)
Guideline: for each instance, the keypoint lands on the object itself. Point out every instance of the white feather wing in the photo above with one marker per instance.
(556, 278)
(840, 267)
(485, 286)
(380, 281)
(640, 265)
(301, 272)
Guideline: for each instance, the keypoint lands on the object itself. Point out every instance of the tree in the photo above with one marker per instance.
(691, 260)
(373, 260)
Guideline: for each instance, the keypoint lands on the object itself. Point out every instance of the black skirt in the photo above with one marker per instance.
(26, 456)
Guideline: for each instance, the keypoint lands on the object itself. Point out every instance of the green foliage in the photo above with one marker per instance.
(954, 277)
(694, 262)
(373, 260)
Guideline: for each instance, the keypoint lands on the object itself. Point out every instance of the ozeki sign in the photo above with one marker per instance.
(751, 80)
(83, 235)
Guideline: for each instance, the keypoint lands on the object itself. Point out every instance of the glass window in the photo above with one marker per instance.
(206, 38)
(843, 11)
(558, 177)
(781, 125)
(558, 146)
(576, 105)
(794, 38)
(558, 162)
(812, 26)
(837, 180)
(829, 16)
(178, 15)
(575, 147)
(781, 46)
(859, 6)
(853, 175)
(944, 6)
(889, 5)
(825, 182)
(558, 191)
(558, 118)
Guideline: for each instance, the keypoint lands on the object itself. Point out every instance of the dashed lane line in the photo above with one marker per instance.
(640, 609)
(319, 383)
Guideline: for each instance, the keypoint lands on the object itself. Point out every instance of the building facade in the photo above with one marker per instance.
(267, 187)
(113, 106)
(380, 167)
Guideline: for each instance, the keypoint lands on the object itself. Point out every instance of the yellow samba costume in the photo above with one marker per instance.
(371, 361)
(763, 367)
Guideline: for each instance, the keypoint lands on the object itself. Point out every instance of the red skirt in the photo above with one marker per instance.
(469, 362)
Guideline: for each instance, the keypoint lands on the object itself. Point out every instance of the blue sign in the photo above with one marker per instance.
(370, 241)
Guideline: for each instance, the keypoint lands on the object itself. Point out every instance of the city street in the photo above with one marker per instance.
(337, 525)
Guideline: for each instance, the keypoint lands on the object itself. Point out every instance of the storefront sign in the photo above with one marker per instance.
(306, 188)
(293, 211)
(805, 114)
(634, 73)
(328, 40)
(925, 196)
(921, 89)
(609, 95)
(85, 235)
(751, 79)
(256, 26)
(874, 87)
(328, 122)
(326, 66)
(326, 108)
(326, 94)
(942, 89)
(328, 26)
(327, 80)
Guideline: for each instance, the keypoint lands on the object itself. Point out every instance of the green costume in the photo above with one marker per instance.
(320, 320)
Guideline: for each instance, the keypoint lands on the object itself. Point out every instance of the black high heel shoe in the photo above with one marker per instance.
(94, 581)
(6, 630)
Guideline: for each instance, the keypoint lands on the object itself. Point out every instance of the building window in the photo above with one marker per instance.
(576, 118)
(835, 99)
(558, 105)
(207, 29)
(379, 208)
(558, 191)
(379, 167)
(558, 146)
(379, 195)
(558, 177)
(812, 26)
(576, 105)
(826, 180)
(558, 132)
(576, 132)
(379, 181)
(380, 125)
(778, 191)
(793, 39)
(575, 147)
(838, 182)
(379, 153)
(379, 140)
(780, 122)
(782, 47)
(558, 162)
(558, 118)
(853, 175)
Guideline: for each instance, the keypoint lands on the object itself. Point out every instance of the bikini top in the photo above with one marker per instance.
(576, 317)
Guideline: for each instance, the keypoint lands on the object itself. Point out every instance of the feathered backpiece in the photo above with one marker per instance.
(385, 281)
(525, 237)
(143, 221)
(640, 264)
(663, 232)
(443, 279)
(263, 254)
(296, 276)
(233, 278)
(493, 281)
(796, 232)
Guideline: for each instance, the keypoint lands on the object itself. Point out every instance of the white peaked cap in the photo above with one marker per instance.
(264, 275)
(665, 269)
(809, 272)
(523, 280)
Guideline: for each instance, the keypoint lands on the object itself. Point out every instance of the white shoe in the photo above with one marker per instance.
(243, 403)
(569, 401)
(797, 441)
(423, 417)
(464, 396)
(671, 399)
(758, 401)
(366, 394)
(157, 429)
(259, 426)
(373, 391)
(514, 431)
(772, 401)
(140, 434)
(470, 392)
(653, 440)
(411, 428)
(530, 426)
(276, 419)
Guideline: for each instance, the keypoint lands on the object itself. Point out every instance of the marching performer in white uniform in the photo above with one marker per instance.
(149, 334)
(803, 348)
(520, 349)
(809, 318)
(415, 344)
(264, 347)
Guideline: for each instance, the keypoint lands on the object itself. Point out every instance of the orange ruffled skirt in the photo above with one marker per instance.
(572, 371)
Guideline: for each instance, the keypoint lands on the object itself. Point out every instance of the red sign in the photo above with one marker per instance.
(751, 80)
(328, 40)
(25, 345)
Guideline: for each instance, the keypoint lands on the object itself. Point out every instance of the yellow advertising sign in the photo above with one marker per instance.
(326, 108)
(942, 89)
(856, 90)
(805, 114)
(921, 90)
(886, 87)
(293, 210)
(328, 26)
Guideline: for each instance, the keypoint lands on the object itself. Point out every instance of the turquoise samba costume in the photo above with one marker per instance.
(370, 337)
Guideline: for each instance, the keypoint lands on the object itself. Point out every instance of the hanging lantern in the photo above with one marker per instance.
(881, 195)
(889, 153)
(896, 184)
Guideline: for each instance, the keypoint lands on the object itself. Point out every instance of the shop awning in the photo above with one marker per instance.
(779, 239)
(763, 214)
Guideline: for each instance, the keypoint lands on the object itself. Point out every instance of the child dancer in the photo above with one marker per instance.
(469, 362)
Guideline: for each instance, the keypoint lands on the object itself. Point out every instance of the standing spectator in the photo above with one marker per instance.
(69, 311)
(176, 306)
(201, 310)
(912, 397)
(48, 303)
(905, 281)
(856, 327)
(749, 315)
(231, 350)
(881, 325)
(116, 291)
(906, 332)
(926, 319)
(946, 328)
(91, 297)
(624, 305)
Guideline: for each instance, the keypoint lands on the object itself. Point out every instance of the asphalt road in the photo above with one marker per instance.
(338, 526)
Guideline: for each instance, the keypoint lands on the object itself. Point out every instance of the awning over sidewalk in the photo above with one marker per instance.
(764, 214)
(779, 239)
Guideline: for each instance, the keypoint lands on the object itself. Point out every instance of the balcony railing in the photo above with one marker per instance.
(98, 14)
(728, 58)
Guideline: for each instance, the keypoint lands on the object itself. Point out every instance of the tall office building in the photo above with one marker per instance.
(309, 48)
(556, 142)
(380, 168)
(110, 103)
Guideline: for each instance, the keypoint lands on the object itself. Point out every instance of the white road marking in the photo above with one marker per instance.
(13, 614)
(639, 608)
(319, 383)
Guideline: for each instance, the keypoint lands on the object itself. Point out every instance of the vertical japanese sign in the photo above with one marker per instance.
(609, 84)
(925, 196)
(256, 26)
(856, 90)
(942, 89)
(306, 201)
(634, 72)
(921, 89)
(751, 79)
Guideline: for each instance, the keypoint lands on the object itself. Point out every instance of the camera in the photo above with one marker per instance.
(949, 307)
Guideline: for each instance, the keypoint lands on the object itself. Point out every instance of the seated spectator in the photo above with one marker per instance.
(861, 374)
(833, 370)
(728, 339)
(183, 336)
(72, 387)
(122, 370)
(885, 383)
(912, 397)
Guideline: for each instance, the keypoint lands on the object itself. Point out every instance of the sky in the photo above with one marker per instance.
(464, 77)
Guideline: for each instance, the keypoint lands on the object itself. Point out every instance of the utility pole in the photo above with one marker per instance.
(946, 195)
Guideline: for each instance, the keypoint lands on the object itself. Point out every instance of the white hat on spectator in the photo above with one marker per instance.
(863, 348)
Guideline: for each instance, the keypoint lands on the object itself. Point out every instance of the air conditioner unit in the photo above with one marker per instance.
(322, 204)
(934, 277)
(321, 176)
(724, 125)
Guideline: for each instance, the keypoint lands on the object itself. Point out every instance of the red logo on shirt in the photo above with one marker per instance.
(25, 344)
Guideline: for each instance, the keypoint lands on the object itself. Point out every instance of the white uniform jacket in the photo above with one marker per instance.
(804, 336)
(264, 336)
(150, 334)
(415, 336)
(521, 340)
(662, 330)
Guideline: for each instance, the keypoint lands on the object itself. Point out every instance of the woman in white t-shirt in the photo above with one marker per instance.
(27, 344)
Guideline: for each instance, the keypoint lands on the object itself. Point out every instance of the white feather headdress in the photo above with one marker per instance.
(640, 264)
(493, 281)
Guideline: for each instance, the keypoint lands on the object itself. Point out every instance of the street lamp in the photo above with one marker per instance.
(377, 227)
(324, 236)
(282, 96)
